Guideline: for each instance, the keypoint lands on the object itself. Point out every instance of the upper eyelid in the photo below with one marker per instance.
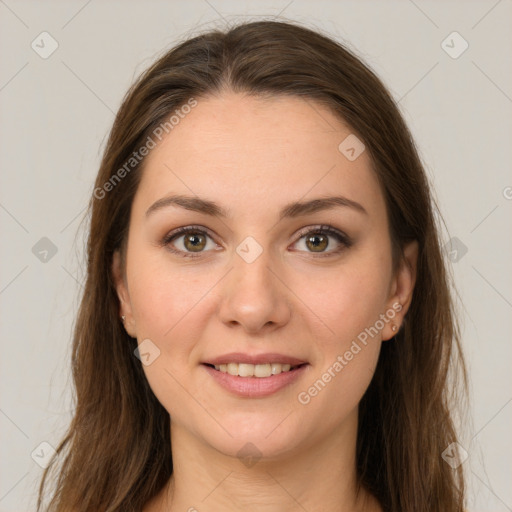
(319, 227)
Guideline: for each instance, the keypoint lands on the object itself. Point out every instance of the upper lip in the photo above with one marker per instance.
(239, 357)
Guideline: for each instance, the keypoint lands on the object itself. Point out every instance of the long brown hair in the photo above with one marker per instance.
(116, 453)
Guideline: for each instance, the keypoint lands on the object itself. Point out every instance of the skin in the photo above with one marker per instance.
(253, 156)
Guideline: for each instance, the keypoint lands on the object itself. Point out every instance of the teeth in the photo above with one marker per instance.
(246, 370)
(262, 370)
(253, 370)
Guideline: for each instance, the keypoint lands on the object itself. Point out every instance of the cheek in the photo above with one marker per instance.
(351, 299)
(162, 293)
(334, 392)
(350, 303)
(171, 306)
(170, 309)
(346, 359)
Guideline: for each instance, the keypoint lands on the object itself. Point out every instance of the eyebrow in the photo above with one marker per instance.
(291, 210)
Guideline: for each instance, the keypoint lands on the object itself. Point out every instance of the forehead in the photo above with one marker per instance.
(249, 152)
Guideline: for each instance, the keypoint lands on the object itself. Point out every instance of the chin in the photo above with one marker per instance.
(258, 435)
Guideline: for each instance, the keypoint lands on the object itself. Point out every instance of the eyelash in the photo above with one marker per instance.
(324, 229)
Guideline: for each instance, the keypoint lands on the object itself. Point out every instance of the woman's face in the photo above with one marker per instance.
(254, 280)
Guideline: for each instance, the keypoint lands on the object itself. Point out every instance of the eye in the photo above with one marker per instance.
(316, 240)
(193, 240)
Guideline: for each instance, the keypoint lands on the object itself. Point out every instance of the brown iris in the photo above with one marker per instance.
(194, 242)
(315, 243)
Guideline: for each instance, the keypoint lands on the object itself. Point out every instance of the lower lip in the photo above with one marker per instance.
(255, 387)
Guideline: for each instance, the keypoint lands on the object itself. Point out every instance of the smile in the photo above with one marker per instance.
(254, 380)
(254, 370)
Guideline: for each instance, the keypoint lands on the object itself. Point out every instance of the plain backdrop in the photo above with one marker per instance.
(57, 109)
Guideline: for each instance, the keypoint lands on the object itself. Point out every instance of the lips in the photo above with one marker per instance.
(255, 387)
(248, 375)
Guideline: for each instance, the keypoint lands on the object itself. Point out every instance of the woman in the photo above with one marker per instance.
(267, 321)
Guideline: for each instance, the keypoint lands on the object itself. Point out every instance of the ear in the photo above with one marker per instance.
(125, 307)
(402, 288)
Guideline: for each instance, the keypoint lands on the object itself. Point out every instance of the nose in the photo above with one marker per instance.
(254, 296)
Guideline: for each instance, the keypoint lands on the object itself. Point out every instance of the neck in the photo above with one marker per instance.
(320, 476)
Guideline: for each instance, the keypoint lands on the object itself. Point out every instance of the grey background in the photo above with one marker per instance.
(56, 113)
